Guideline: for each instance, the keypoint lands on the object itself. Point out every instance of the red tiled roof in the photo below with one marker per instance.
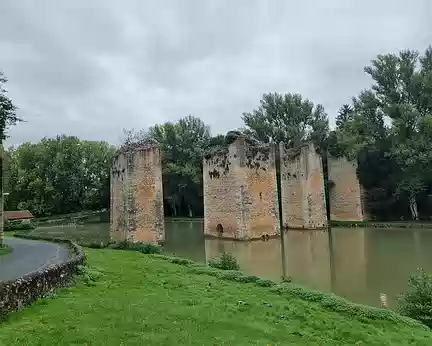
(18, 215)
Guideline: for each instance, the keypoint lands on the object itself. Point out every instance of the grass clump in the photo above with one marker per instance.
(4, 250)
(139, 247)
(152, 300)
(225, 261)
(417, 303)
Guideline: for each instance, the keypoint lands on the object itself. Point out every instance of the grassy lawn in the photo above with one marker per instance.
(144, 300)
(86, 235)
(4, 250)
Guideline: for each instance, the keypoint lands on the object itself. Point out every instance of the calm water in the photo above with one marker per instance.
(358, 264)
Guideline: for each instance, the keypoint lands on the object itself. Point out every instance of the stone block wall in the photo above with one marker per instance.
(136, 196)
(346, 194)
(302, 188)
(240, 192)
(18, 293)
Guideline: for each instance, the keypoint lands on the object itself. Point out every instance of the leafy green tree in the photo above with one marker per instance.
(59, 175)
(183, 144)
(8, 115)
(392, 120)
(289, 118)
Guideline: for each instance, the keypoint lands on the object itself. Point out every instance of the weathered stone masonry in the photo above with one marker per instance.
(240, 192)
(136, 195)
(346, 193)
(302, 188)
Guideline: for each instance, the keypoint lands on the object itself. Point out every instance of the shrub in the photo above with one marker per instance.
(225, 261)
(140, 247)
(18, 226)
(417, 303)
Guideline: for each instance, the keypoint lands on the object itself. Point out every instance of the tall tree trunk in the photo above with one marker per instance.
(173, 205)
(413, 207)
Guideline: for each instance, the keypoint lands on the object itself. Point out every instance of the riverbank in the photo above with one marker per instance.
(378, 224)
(4, 250)
(147, 299)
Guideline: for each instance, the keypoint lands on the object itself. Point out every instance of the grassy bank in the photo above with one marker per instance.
(147, 300)
(91, 235)
(78, 217)
(4, 250)
(378, 224)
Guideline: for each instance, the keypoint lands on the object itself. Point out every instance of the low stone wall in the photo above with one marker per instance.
(15, 294)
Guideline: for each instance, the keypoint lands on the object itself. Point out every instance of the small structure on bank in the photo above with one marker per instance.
(137, 213)
(17, 215)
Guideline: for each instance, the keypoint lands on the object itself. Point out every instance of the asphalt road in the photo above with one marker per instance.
(28, 256)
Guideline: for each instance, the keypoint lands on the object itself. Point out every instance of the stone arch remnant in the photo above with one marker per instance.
(137, 213)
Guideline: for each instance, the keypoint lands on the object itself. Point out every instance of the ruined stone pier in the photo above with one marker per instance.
(302, 188)
(240, 192)
(347, 201)
(136, 195)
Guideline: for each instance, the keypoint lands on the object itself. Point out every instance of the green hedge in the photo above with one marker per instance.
(11, 226)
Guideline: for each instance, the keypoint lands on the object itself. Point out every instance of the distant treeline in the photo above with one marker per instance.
(388, 128)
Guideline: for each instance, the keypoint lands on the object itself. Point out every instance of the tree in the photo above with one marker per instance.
(182, 144)
(59, 175)
(8, 115)
(288, 118)
(345, 114)
(391, 120)
(403, 85)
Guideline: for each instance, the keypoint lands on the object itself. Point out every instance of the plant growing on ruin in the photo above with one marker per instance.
(417, 303)
(225, 261)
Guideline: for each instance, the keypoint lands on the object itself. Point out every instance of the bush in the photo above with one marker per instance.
(417, 303)
(140, 247)
(11, 226)
(226, 261)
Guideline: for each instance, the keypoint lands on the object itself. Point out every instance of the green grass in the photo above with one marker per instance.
(381, 224)
(147, 300)
(87, 235)
(4, 250)
(83, 217)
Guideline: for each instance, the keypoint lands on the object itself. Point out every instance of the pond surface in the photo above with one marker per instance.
(355, 263)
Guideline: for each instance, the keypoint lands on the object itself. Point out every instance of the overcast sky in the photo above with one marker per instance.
(93, 68)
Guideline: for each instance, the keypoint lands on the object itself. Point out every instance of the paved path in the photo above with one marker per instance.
(28, 256)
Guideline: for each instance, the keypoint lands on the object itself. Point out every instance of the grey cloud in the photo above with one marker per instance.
(92, 68)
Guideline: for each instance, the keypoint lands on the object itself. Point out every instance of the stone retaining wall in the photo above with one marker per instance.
(15, 294)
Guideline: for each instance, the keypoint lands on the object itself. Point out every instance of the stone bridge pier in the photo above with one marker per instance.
(240, 192)
(137, 213)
